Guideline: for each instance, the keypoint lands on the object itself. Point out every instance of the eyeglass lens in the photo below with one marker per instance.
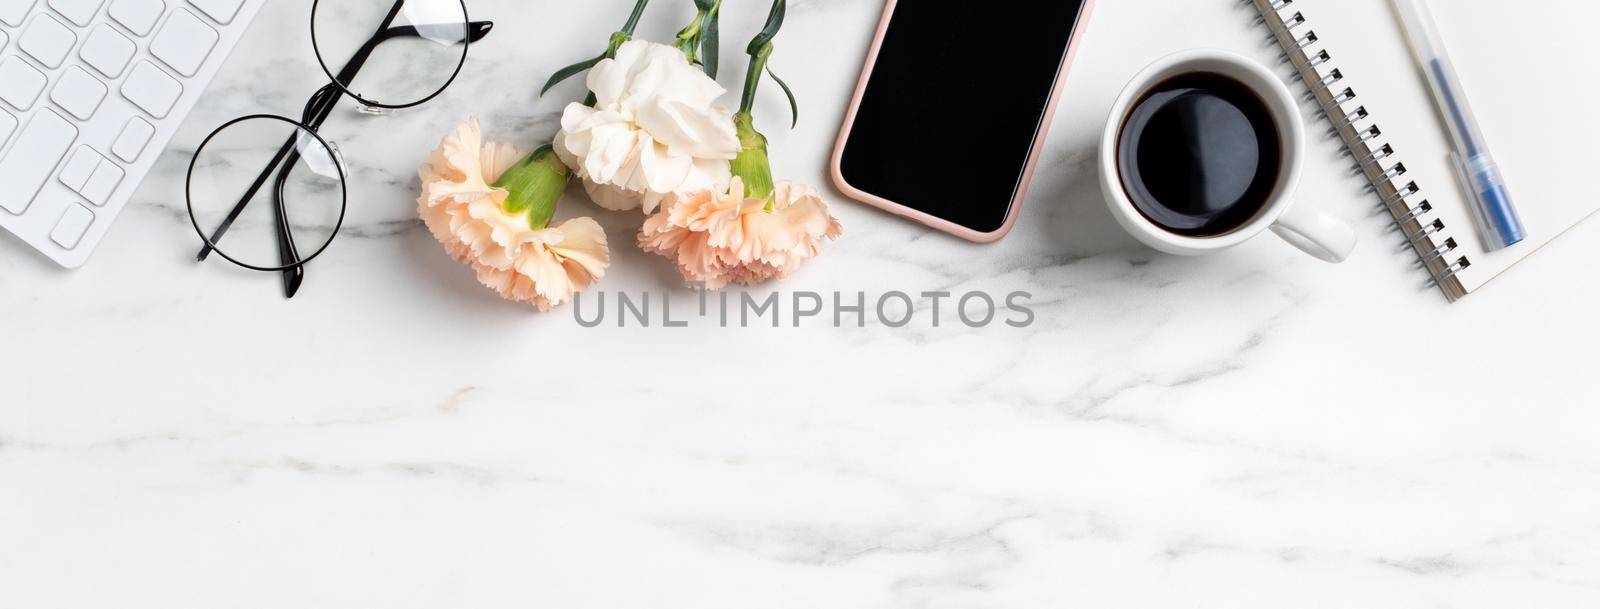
(390, 53)
(288, 215)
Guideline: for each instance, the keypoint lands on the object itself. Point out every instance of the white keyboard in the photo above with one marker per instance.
(90, 92)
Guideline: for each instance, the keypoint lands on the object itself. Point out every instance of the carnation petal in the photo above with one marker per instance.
(608, 79)
(660, 170)
(583, 247)
(610, 197)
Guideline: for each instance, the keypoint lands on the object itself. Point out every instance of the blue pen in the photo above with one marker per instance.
(1497, 218)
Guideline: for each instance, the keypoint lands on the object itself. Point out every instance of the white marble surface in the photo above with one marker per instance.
(1254, 429)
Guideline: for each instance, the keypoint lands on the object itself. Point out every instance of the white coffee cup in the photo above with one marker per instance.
(1310, 230)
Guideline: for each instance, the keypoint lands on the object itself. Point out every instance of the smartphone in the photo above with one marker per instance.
(952, 108)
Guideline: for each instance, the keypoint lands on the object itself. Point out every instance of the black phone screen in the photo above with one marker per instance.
(953, 105)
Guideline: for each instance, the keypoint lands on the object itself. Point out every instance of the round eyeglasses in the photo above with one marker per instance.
(267, 192)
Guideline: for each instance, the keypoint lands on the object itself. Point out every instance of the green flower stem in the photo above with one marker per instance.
(752, 76)
(535, 183)
(752, 165)
(690, 37)
(633, 19)
(760, 50)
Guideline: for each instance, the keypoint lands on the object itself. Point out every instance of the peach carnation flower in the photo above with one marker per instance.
(718, 238)
(502, 232)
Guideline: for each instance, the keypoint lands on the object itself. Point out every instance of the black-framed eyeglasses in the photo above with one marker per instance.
(399, 54)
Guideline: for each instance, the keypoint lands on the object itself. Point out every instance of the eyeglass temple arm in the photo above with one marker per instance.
(288, 254)
(316, 111)
(476, 31)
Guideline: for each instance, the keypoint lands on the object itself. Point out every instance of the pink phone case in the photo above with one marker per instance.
(1027, 173)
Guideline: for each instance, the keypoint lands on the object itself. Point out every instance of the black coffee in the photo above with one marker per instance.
(1199, 154)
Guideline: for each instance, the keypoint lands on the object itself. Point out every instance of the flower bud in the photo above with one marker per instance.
(535, 185)
(752, 164)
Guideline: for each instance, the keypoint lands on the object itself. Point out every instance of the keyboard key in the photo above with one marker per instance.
(3, 37)
(104, 182)
(72, 225)
(134, 137)
(79, 167)
(8, 125)
(151, 89)
(184, 42)
(28, 164)
(12, 12)
(47, 40)
(139, 16)
(20, 84)
(107, 51)
(78, 93)
(221, 10)
(77, 11)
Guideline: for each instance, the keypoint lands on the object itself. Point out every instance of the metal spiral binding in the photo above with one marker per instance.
(1313, 67)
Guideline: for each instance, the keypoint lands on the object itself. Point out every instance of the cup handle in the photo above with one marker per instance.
(1316, 233)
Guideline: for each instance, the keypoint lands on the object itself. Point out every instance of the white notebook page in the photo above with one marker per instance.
(1531, 71)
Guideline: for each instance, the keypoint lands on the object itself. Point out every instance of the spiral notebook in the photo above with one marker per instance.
(1528, 70)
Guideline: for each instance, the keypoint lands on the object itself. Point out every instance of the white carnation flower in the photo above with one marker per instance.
(652, 132)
